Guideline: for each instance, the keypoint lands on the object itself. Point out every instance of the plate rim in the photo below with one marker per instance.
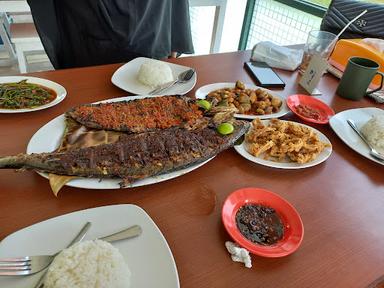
(365, 151)
(53, 85)
(240, 149)
(260, 250)
(283, 111)
(103, 208)
(113, 183)
(322, 103)
(121, 69)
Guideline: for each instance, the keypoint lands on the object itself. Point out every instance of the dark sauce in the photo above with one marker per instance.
(259, 224)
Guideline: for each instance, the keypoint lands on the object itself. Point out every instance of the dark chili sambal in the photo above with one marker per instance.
(259, 224)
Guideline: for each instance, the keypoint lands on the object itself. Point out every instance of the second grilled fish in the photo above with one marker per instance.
(133, 156)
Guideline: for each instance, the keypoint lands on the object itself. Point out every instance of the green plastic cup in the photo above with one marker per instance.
(356, 78)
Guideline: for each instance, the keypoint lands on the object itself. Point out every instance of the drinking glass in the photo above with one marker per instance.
(318, 42)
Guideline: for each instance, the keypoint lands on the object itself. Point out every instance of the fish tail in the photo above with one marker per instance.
(15, 162)
(43, 161)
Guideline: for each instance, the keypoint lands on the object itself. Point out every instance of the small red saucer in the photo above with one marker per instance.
(293, 226)
(322, 110)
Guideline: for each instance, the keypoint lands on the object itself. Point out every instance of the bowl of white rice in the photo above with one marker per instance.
(89, 264)
(153, 73)
(373, 131)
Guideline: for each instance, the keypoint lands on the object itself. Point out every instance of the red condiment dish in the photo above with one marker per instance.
(293, 225)
(325, 112)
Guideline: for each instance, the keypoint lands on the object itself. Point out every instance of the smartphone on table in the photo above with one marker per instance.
(264, 75)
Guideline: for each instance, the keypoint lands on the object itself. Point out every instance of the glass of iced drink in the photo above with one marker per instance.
(318, 42)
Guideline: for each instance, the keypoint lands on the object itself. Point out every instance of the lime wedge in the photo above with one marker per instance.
(204, 104)
(225, 128)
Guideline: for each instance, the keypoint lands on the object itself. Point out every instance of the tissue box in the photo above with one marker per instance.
(347, 48)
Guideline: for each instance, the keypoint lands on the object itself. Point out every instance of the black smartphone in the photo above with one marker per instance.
(264, 75)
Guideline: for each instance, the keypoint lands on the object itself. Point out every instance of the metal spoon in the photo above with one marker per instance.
(183, 77)
(373, 151)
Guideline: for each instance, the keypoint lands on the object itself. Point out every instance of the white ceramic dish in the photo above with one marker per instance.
(48, 138)
(202, 92)
(148, 256)
(60, 91)
(126, 78)
(288, 165)
(360, 116)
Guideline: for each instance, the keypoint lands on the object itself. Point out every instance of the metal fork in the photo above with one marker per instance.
(19, 266)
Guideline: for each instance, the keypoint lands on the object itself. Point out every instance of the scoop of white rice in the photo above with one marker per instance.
(154, 73)
(373, 130)
(88, 264)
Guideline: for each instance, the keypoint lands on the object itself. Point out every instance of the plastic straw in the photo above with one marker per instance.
(346, 26)
(350, 22)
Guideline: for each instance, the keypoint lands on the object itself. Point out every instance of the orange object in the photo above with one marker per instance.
(310, 108)
(293, 225)
(347, 48)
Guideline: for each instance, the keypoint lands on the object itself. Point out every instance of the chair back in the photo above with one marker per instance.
(340, 12)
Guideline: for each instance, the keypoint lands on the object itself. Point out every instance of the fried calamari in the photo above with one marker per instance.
(283, 141)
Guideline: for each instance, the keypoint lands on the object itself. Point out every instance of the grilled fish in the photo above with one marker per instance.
(140, 115)
(133, 156)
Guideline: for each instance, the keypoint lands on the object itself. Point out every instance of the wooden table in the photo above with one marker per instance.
(340, 201)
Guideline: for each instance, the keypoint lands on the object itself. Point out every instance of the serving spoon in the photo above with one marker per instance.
(183, 77)
(372, 151)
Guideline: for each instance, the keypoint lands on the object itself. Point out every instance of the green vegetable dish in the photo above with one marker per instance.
(20, 95)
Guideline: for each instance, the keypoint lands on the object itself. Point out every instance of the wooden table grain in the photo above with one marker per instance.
(340, 201)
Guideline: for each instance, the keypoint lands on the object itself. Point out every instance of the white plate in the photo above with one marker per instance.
(126, 78)
(360, 116)
(48, 138)
(288, 165)
(148, 256)
(60, 91)
(203, 91)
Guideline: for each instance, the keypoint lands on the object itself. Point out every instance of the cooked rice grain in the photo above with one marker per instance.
(154, 73)
(89, 264)
(373, 130)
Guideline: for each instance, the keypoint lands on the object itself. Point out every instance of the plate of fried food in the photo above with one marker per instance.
(251, 101)
(284, 144)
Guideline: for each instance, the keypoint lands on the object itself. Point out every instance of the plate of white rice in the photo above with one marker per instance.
(144, 261)
(142, 75)
(370, 121)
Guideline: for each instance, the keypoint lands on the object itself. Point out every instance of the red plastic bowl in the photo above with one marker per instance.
(293, 226)
(323, 109)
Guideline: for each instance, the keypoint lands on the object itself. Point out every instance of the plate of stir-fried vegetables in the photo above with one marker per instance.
(20, 94)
